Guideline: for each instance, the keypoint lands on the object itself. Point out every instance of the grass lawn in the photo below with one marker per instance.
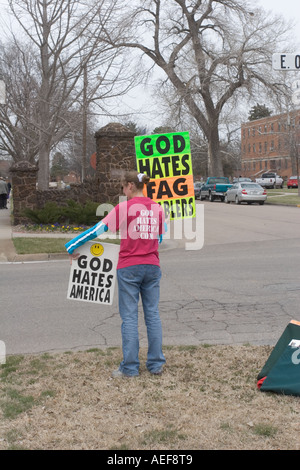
(283, 196)
(32, 245)
(25, 246)
(206, 399)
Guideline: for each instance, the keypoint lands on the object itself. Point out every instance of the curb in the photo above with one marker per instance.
(39, 257)
(282, 205)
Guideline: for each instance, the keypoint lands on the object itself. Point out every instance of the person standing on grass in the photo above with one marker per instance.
(141, 224)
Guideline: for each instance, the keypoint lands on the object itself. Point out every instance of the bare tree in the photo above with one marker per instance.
(209, 50)
(67, 36)
(19, 136)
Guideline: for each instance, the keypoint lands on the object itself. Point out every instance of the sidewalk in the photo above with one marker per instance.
(7, 249)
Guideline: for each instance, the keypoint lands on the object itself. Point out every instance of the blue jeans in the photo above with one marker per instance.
(141, 279)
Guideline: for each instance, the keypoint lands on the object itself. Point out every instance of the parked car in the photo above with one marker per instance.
(292, 182)
(270, 180)
(197, 186)
(246, 192)
(214, 187)
(242, 180)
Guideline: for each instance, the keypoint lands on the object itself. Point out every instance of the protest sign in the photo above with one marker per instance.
(166, 159)
(93, 274)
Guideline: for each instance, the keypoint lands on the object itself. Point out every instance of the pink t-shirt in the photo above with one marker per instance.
(140, 221)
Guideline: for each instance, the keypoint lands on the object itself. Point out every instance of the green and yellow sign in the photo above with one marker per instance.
(166, 159)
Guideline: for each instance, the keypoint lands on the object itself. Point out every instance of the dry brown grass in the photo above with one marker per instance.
(206, 399)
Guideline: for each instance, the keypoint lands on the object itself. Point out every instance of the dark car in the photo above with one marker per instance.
(197, 186)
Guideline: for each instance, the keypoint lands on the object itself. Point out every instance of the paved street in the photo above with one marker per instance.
(243, 286)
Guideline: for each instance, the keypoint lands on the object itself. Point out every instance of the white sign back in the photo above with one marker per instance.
(93, 274)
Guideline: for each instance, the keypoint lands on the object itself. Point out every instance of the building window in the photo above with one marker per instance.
(272, 127)
(254, 148)
(253, 131)
(259, 147)
(266, 147)
(272, 146)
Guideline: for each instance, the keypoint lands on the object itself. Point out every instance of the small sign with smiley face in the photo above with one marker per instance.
(93, 273)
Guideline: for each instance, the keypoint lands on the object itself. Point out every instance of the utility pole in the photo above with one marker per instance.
(84, 124)
(2, 92)
(286, 62)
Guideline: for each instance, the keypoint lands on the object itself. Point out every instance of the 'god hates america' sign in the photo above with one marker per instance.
(93, 273)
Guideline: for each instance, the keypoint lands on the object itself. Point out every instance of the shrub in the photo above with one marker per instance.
(49, 214)
(72, 213)
(75, 213)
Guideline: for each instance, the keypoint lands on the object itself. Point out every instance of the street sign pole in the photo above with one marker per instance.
(290, 62)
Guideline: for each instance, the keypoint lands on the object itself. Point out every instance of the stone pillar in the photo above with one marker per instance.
(115, 154)
(24, 178)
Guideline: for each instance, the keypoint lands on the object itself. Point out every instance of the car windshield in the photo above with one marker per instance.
(293, 177)
(250, 186)
(197, 185)
(218, 180)
(242, 179)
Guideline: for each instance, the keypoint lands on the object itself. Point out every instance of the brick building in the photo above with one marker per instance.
(270, 144)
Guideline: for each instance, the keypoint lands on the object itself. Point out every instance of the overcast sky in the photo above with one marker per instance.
(290, 9)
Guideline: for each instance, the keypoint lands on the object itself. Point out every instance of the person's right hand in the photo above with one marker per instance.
(73, 256)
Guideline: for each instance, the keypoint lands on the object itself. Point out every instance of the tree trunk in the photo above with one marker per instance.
(43, 172)
(214, 161)
(44, 111)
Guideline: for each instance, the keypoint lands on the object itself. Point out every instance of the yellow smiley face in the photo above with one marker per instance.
(97, 249)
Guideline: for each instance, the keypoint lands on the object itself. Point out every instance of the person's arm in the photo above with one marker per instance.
(163, 227)
(83, 237)
(160, 237)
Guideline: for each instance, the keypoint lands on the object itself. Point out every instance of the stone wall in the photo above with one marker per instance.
(23, 180)
(115, 153)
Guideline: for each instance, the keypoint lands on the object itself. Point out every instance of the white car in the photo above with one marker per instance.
(246, 192)
(270, 180)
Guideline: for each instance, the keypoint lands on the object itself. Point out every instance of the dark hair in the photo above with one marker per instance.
(136, 178)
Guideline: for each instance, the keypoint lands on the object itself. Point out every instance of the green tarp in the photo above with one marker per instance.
(282, 369)
(284, 377)
(292, 331)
